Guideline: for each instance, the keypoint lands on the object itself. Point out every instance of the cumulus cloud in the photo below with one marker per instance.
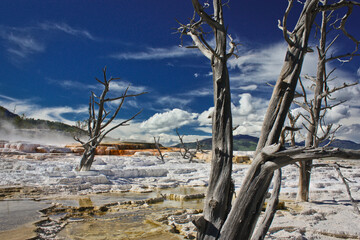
(156, 53)
(248, 113)
(168, 121)
(204, 118)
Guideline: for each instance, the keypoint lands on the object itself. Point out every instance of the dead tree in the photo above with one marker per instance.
(221, 220)
(98, 123)
(187, 153)
(316, 108)
(219, 192)
(158, 147)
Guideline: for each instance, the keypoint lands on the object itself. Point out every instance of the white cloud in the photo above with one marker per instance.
(358, 72)
(251, 87)
(202, 92)
(168, 121)
(337, 113)
(120, 87)
(245, 104)
(134, 132)
(349, 132)
(56, 113)
(21, 42)
(205, 129)
(196, 75)
(156, 53)
(248, 113)
(171, 101)
(32, 110)
(66, 29)
(116, 87)
(264, 65)
(22, 45)
(204, 118)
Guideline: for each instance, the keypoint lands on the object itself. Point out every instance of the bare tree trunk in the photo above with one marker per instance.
(270, 209)
(86, 160)
(284, 89)
(239, 223)
(304, 181)
(311, 139)
(247, 207)
(98, 122)
(220, 190)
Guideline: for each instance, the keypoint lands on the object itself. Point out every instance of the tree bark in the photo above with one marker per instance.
(247, 207)
(220, 189)
(270, 209)
(312, 134)
(284, 89)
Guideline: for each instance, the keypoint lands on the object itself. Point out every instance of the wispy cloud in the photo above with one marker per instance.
(156, 54)
(171, 101)
(202, 92)
(116, 87)
(63, 27)
(259, 66)
(36, 111)
(22, 42)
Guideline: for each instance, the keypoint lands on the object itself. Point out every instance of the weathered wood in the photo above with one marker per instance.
(98, 122)
(270, 208)
(284, 89)
(318, 106)
(220, 190)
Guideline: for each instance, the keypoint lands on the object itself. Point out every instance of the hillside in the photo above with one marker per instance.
(241, 143)
(248, 143)
(23, 123)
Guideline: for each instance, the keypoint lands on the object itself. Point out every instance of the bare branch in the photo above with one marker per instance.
(120, 124)
(157, 145)
(200, 11)
(282, 158)
(353, 202)
(286, 33)
(232, 47)
(337, 5)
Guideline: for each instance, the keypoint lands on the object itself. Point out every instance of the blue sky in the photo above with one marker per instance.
(51, 52)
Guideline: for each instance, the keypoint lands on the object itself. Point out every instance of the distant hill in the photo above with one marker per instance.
(33, 124)
(248, 143)
(241, 143)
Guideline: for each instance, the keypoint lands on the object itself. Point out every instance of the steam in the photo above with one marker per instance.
(9, 132)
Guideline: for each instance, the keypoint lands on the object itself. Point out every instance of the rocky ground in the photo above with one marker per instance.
(51, 175)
